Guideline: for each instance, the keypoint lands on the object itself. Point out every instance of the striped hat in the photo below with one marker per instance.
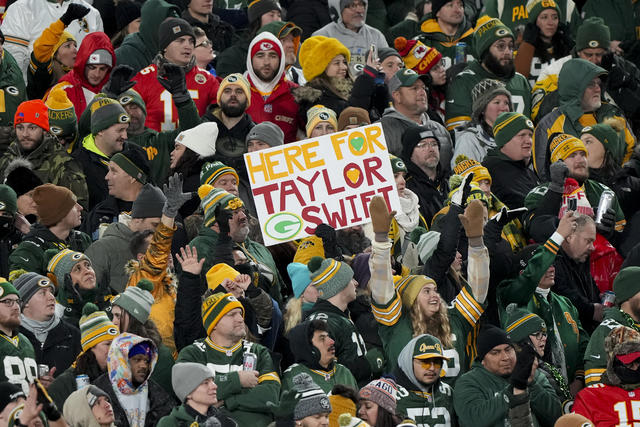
(519, 323)
(329, 276)
(136, 300)
(464, 166)
(211, 171)
(508, 125)
(215, 307)
(563, 145)
(30, 283)
(409, 286)
(95, 327)
(212, 197)
(61, 264)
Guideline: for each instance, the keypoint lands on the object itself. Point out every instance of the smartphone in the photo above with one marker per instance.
(373, 52)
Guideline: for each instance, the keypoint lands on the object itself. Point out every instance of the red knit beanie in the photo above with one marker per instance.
(35, 112)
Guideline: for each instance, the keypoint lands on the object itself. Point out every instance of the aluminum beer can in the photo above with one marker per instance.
(461, 55)
(249, 361)
(608, 298)
(606, 200)
(82, 381)
(43, 370)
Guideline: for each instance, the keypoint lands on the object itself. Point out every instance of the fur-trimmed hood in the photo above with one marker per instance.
(621, 340)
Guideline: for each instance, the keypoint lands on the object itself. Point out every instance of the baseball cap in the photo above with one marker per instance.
(404, 78)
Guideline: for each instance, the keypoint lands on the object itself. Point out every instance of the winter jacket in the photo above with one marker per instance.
(59, 349)
(569, 117)
(40, 74)
(118, 382)
(77, 411)
(53, 165)
(513, 13)
(25, 20)
(458, 110)
(431, 35)
(358, 42)
(75, 83)
(511, 179)
(557, 311)
(395, 123)
(109, 255)
(65, 384)
(29, 255)
(315, 92)
(12, 86)
(482, 398)
(105, 212)
(154, 267)
(138, 49)
(221, 33)
(186, 416)
(473, 142)
(431, 194)
(620, 17)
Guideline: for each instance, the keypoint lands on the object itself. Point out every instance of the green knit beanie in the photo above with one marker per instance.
(611, 136)
(536, 7)
(61, 263)
(329, 276)
(105, 113)
(211, 198)
(507, 125)
(519, 323)
(487, 33)
(132, 97)
(215, 306)
(136, 300)
(129, 167)
(397, 164)
(6, 288)
(211, 171)
(593, 33)
(626, 284)
(8, 199)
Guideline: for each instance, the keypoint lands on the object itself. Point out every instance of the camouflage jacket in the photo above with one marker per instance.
(52, 164)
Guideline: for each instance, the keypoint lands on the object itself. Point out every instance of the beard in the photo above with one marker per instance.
(494, 65)
(234, 110)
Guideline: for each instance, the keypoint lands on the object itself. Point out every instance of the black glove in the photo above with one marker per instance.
(521, 372)
(531, 32)
(505, 215)
(222, 219)
(171, 77)
(74, 11)
(329, 241)
(459, 198)
(7, 136)
(119, 81)
(617, 77)
(607, 225)
(558, 171)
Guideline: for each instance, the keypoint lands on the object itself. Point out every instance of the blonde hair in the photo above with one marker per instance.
(293, 314)
(436, 325)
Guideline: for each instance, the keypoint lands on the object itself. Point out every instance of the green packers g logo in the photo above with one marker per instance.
(283, 226)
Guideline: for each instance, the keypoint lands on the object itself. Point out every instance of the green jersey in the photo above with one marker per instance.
(394, 327)
(458, 106)
(18, 361)
(247, 406)
(427, 409)
(324, 379)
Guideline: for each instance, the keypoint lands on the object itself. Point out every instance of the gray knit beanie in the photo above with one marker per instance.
(267, 132)
(483, 93)
(329, 276)
(313, 400)
(136, 300)
(149, 203)
(187, 376)
(30, 283)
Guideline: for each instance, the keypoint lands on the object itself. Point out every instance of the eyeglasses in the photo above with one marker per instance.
(502, 46)
(11, 301)
(429, 363)
(427, 144)
(356, 4)
(206, 43)
(540, 335)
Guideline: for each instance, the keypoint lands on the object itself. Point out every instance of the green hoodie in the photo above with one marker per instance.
(13, 88)
(571, 90)
(139, 49)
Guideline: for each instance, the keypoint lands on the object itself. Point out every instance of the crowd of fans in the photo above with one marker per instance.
(135, 288)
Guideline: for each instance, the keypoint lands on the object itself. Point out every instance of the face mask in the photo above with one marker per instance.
(6, 226)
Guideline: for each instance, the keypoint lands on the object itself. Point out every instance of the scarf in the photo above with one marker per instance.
(135, 405)
(40, 329)
(160, 60)
(409, 216)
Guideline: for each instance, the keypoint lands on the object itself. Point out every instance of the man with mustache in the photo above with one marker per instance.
(55, 341)
(315, 354)
(446, 27)
(494, 46)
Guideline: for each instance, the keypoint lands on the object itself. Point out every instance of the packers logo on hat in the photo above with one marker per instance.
(232, 79)
(175, 29)
(529, 123)
(593, 43)
(324, 403)
(266, 46)
(113, 331)
(324, 116)
(1, 291)
(76, 256)
(2, 206)
(408, 72)
(400, 164)
(43, 283)
(123, 118)
(12, 90)
(502, 32)
(55, 130)
(586, 129)
(124, 100)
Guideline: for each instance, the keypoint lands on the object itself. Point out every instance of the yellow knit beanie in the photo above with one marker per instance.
(317, 52)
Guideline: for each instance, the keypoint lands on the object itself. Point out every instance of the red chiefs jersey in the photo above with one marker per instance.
(608, 406)
(162, 114)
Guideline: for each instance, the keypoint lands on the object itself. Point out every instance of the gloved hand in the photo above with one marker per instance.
(531, 32)
(222, 219)
(375, 357)
(119, 81)
(460, 197)
(524, 362)
(48, 405)
(558, 171)
(607, 225)
(74, 11)
(171, 77)
(7, 136)
(617, 77)
(329, 241)
(288, 401)
(473, 219)
(175, 197)
(380, 216)
(505, 216)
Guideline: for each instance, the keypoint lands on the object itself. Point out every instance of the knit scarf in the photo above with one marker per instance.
(40, 329)
(409, 216)
(557, 350)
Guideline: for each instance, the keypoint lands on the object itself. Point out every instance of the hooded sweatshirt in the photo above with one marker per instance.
(78, 88)
(77, 411)
(272, 101)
